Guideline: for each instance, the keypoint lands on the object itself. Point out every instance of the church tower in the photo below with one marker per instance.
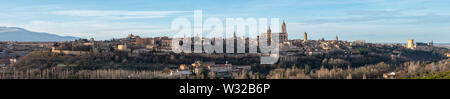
(305, 36)
(431, 43)
(337, 38)
(283, 35)
(283, 27)
(234, 36)
(411, 44)
(269, 35)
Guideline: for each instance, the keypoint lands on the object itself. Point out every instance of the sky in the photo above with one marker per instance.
(383, 21)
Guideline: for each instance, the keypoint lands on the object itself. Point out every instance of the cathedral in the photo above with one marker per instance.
(283, 36)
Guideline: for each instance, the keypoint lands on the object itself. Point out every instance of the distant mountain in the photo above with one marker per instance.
(23, 35)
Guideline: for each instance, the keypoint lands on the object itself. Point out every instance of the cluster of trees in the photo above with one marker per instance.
(44, 60)
(70, 46)
(414, 69)
(55, 73)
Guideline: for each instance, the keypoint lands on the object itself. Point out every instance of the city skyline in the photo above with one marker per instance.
(217, 48)
(370, 20)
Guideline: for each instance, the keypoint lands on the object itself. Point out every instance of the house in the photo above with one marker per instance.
(311, 53)
(219, 68)
(390, 75)
(69, 52)
(184, 67)
(180, 72)
(198, 70)
(241, 68)
(122, 47)
(12, 60)
(202, 64)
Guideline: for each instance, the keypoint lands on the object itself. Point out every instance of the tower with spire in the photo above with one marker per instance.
(282, 35)
(283, 27)
(337, 39)
(431, 43)
(305, 36)
(234, 36)
(269, 35)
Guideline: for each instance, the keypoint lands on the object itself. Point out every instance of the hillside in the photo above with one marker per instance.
(23, 35)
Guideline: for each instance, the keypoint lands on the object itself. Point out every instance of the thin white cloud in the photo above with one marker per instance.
(118, 14)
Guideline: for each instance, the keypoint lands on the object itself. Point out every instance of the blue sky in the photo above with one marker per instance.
(370, 20)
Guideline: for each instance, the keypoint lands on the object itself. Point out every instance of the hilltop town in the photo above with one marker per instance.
(152, 57)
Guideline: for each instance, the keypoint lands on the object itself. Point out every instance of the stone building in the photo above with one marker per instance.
(411, 44)
(283, 35)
